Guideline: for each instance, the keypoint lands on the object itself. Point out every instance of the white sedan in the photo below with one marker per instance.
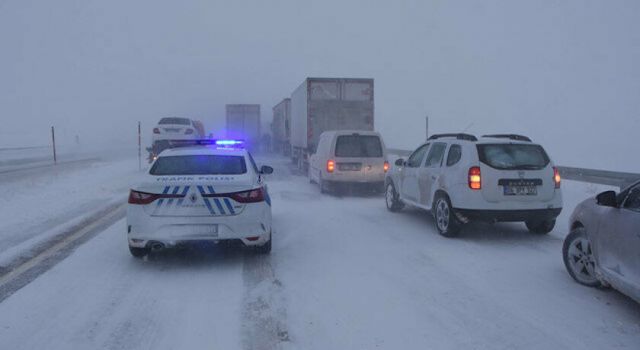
(203, 191)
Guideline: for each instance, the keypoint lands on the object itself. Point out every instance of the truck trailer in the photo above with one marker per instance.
(243, 123)
(280, 127)
(327, 104)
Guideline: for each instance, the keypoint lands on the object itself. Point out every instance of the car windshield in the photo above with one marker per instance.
(199, 165)
(175, 121)
(508, 156)
(358, 146)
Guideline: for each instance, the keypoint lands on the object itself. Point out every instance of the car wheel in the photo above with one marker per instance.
(139, 252)
(540, 226)
(446, 221)
(322, 184)
(265, 248)
(391, 198)
(578, 258)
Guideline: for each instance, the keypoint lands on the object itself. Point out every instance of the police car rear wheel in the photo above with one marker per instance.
(139, 252)
(265, 248)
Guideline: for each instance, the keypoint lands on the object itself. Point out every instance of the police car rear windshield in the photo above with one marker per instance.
(358, 146)
(199, 165)
(507, 156)
(175, 121)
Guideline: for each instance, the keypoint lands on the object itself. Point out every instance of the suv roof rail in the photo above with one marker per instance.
(515, 137)
(459, 136)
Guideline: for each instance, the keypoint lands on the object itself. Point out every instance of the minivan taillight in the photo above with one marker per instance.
(156, 130)
(252, 196)
(475, 179)
(556, 177)
(385, 166)
(331, 166)
(136, 197)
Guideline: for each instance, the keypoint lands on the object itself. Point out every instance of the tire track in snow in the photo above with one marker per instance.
(264, 314)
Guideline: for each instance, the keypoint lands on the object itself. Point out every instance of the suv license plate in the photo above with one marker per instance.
(520, 190)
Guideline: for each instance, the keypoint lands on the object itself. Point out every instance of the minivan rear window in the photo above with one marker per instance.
(175, 121)
(358, 146)
(199, 165)
(510, 156)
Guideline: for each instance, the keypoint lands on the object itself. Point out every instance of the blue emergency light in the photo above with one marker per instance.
(238, 143)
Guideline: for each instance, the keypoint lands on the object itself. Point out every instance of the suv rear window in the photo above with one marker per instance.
(175, 121)
(509, 156)
(199, 165)
(358, 146)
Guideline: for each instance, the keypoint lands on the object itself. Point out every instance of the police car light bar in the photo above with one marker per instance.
(207, 142)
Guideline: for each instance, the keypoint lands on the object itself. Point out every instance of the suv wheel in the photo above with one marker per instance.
(391, 198)
(578, 258)
(540, 226)
(446, 221)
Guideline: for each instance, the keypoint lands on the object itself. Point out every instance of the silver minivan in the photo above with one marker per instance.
(349, 157)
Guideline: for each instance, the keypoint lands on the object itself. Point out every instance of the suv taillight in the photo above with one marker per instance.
(156, 130)
(331, 166)
(556, 177)
(188, 131)
(136, 197)
(385, 166)
(252, 196)
(475, 179)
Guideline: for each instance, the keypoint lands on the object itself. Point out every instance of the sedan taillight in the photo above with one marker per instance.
(253, 196)
(143, 198)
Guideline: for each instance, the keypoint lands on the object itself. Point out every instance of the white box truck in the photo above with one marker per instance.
(326, 104)
(280, 127)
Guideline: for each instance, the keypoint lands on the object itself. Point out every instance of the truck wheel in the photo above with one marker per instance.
(446, 221)
(540, 226)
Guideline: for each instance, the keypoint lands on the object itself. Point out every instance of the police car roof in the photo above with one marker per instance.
(203, 151)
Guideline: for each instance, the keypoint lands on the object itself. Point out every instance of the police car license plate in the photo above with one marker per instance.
(211, 230)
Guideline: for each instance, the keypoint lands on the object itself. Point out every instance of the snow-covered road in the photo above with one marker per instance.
(344, 274)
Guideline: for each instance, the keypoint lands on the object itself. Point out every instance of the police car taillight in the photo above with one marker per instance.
(136, 197)
(253, 196)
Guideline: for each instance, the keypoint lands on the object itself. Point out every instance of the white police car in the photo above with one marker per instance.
(204, 190)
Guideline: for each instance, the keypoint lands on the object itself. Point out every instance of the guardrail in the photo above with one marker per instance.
(601, 177)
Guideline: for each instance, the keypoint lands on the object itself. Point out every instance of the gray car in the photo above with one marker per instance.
(603, 248)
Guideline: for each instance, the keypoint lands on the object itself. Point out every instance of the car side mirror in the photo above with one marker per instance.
(266, 170)
(399, 162)
(607, 199)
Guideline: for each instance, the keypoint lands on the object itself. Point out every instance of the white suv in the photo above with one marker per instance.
(460, 178)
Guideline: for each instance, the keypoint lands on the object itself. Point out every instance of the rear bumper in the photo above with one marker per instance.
(254, 221)
(507, 215)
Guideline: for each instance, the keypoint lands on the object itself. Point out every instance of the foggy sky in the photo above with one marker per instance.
(563, 72)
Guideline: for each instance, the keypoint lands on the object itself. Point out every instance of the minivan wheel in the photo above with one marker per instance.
(322, 184)
(540, 226)
(139, 252)
(446, 221)
(578, 258)
(391, 198)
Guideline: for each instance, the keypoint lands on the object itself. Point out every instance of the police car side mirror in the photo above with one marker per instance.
(399, 162)
(266, 170)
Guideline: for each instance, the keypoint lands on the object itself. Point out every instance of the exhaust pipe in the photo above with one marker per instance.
(157, 246)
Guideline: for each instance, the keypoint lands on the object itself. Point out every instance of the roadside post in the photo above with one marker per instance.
(53, 141)
(139, 149)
